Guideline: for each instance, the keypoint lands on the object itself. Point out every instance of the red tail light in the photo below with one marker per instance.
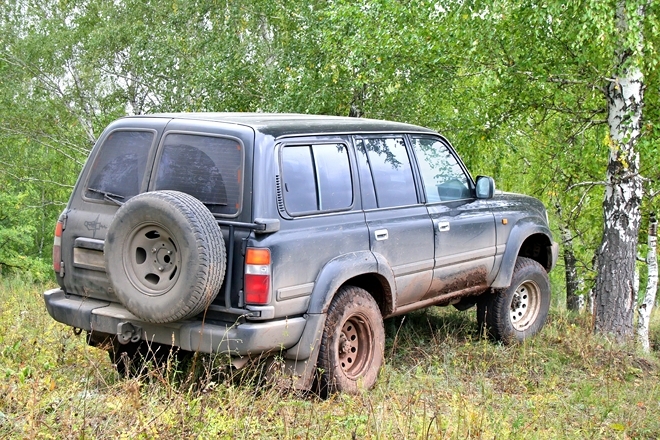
(57, 247)
(257, 276)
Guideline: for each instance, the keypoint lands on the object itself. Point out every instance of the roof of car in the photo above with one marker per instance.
(282, 124)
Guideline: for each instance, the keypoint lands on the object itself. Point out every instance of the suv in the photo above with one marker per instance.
(289, 235)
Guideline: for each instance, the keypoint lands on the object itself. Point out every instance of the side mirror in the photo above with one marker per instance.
(485, 187)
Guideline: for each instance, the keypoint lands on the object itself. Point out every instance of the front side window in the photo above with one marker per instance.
(206, 167)
(118, 169)
(444, 178)
(391, 171)
(316, 178)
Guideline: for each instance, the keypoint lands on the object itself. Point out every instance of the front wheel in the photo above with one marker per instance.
(519, 311)
(351, 352)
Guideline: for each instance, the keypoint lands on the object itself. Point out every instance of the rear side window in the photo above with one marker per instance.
(316, 178)
(118, 168)
(391, 171)
(206, 167)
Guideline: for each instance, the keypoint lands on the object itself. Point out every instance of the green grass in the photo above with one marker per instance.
(439, 381)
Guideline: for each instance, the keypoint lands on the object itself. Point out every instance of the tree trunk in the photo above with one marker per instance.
(645, 308)
(574, 302)
(614, 292)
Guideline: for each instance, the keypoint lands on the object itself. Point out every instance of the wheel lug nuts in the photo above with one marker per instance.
(153, 250)
(160, 268)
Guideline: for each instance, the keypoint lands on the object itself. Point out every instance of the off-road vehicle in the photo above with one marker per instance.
(292, 236)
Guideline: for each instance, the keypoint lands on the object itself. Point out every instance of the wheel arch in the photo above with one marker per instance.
(362, 269)
(530, 239)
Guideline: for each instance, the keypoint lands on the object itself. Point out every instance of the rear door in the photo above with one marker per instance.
(463, 226)
(400, 228)
(117, 169)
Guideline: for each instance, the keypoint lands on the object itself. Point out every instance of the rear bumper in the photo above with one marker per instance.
(235, 339)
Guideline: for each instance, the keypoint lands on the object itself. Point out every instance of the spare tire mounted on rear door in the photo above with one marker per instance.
(165, 256)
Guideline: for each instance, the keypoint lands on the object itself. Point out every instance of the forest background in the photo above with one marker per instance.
(520, 87)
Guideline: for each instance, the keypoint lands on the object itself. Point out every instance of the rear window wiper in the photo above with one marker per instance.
(108, 196)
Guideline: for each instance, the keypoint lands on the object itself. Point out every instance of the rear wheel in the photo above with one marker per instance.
(519, 311)
(351, 352)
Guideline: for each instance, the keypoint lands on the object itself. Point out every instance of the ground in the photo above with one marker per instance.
(440, 380)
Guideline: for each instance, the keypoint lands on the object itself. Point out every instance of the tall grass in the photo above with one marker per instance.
(439, 381)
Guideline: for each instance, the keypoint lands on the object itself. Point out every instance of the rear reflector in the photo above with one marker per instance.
(57, 247)
(257, 276)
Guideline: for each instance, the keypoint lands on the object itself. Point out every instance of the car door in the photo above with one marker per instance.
(400, 229)
(463, 226)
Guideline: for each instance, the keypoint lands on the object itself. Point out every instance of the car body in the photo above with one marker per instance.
(307, 207)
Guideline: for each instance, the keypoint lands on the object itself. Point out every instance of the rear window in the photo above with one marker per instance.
(206, 167)
(118, 168)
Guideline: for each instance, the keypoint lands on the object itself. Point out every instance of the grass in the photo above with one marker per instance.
(439, 381)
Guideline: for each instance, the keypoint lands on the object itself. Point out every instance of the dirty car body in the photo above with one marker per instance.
(310, 210)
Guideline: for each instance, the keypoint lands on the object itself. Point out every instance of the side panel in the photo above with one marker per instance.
(404, 237)
(464, 245)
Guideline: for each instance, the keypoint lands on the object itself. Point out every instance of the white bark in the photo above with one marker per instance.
(614, 292)
(645, 308)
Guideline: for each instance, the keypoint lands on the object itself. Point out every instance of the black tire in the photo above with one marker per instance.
(165, 256)
(519, 311)
(352, 344)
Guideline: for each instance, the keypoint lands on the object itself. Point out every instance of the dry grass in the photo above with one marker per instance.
(439, 381)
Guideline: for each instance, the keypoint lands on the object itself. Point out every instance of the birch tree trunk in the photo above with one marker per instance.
(614, 292)
(645, 308)
(574, 302)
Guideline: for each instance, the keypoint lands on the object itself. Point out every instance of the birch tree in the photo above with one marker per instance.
(614, 293)
(645, 308)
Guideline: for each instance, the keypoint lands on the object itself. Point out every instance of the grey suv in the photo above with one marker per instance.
(289, 235)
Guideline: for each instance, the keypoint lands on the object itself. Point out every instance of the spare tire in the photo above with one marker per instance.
(165, 256)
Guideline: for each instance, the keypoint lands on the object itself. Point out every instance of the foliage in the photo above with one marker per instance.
(439, 381)
(517, 86)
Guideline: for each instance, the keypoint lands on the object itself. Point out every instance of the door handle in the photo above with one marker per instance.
(381, 234)
(443, 226)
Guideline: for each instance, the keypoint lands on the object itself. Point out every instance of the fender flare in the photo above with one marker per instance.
(331, 277)
(520, 232)
(342, 268)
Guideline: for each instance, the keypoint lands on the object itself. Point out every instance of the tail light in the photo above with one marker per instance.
(257, 276)
(57, 247)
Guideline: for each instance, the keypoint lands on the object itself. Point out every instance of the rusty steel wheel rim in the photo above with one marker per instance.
(355, 346)
(525, 305)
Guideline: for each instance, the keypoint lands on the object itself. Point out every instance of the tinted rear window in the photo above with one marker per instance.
(118, 168)
(206, 167)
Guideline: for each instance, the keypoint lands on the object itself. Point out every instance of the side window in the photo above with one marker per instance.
(366, 180)
(443, 177)
(206, 167)
(316, 178)
(119, 166)
(391, 172)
